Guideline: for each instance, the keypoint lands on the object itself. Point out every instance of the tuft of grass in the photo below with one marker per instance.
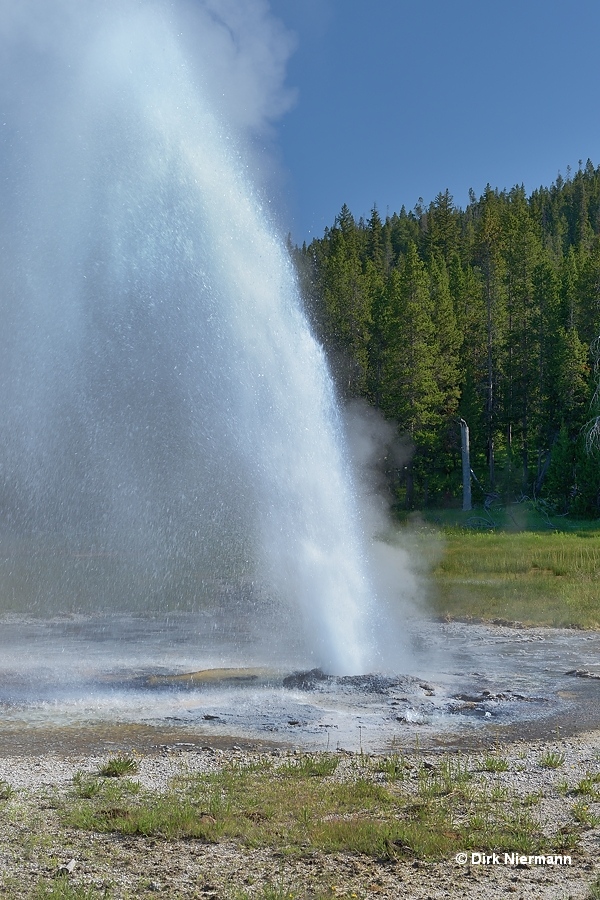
(499, 794)
(6, 791)
(117, 766)
(567, 838)
(306, 766)
(583, 815)
(494, 764)
(394, 767)
(551, 759)
(282, 891)
(588, 786)
(86, 786)
(63, 889)
(533, 798)
(450, 777)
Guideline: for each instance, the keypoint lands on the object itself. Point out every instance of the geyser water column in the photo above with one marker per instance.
(165, 410)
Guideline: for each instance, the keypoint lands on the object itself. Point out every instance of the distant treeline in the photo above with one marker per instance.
(487, 314)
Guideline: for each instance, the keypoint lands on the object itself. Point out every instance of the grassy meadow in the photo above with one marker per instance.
(514, 565)
(383, 809)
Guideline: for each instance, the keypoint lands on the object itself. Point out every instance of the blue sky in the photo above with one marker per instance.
(401, 99)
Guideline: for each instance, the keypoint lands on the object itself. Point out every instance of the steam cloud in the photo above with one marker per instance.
(374, 446)
(164, 402)
(239, 50)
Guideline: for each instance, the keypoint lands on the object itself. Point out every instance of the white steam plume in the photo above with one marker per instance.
(238, 48)
(395, 571)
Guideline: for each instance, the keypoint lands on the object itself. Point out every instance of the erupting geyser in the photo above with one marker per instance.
(168, 421)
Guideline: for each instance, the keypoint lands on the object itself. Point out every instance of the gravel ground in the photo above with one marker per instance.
(143, 867)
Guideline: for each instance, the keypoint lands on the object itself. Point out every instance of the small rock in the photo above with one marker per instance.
(67, 868)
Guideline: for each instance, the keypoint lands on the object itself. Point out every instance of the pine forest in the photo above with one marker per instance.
(489, 314)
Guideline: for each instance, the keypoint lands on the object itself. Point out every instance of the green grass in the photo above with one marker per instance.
(86, 786)
(117, 766)
(533, 577)
(282, 891)
(583, 815)
(310, 766)
(300, 806)
(512, 517)
(394, 767)
(63, 889)
(589, 786)
(551, 759)
(494, 764)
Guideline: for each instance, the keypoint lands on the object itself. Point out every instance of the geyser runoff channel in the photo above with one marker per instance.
(169, 422)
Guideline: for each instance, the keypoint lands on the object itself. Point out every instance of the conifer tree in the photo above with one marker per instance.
(347, 304)
(485, 314)
(442, 227)
(522, 253)
(410, 393)
(490, 243)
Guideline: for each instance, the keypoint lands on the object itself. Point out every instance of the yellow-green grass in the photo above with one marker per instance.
(381, 811)
(61, 889)
(387, 808)
(537, 578)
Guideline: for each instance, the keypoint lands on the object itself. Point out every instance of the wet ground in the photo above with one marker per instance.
(134, 681)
